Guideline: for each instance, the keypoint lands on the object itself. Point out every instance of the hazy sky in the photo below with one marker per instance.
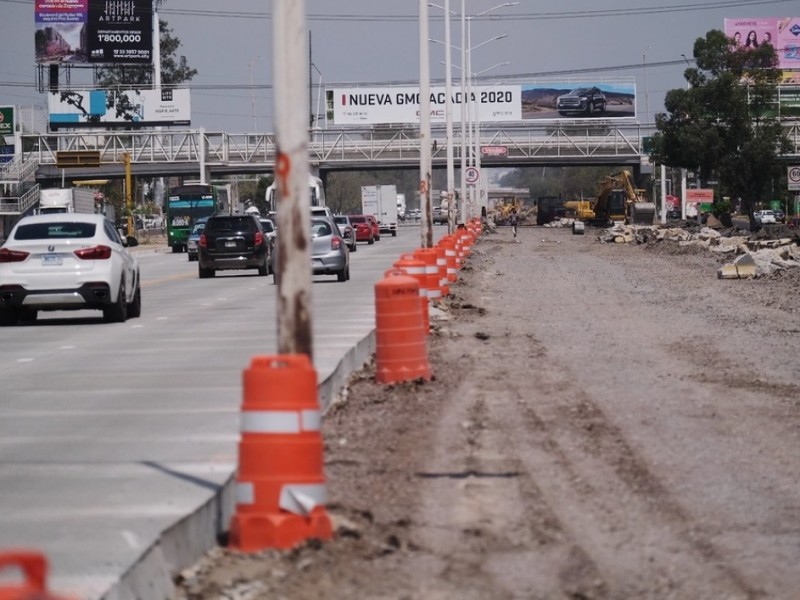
(376, 42)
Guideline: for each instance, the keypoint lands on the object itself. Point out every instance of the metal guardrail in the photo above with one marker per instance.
(20, 205)
(17, 171)
(595, 142)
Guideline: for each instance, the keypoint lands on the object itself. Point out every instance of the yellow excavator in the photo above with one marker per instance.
(617, 200)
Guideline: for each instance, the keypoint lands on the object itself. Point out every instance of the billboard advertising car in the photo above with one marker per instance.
(94, 31)
(588, 99)
(539, 100)
(782, 32)
(111, 108)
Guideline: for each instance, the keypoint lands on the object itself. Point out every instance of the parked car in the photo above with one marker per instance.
(194, 238)
(364, 230)
(232, 241)
(779, 215)
(376, 228)
(582, 101)
(329, 252)
(765, 217)
(67, 261)
(348, 231)
(439, 216)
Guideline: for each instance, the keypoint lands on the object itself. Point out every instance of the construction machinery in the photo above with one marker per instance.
(617, 200)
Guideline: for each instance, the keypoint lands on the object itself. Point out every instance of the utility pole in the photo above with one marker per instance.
(425, 175)
(291, 175)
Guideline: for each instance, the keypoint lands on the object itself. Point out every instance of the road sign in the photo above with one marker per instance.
(794, 178)
(472, 175)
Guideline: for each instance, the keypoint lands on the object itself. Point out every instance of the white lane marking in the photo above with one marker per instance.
(161, 318)
(67, 347)
(25, 360)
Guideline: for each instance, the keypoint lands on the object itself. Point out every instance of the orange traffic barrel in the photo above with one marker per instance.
(401, 353)
(32, 566)
(441, 263)
(414, 267)
(280, 485)
(449, 245)
(467, 241)
(428, 256)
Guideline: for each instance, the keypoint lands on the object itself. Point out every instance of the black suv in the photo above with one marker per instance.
(232, 242)
(582, 101)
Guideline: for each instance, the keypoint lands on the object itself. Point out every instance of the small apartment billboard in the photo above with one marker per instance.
(400, 105)
(579, 99)
(94, 31)
(109, 108)
(782, 32)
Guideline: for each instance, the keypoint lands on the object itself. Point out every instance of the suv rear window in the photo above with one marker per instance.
(46, 231)
(233, 223)
(358, 219)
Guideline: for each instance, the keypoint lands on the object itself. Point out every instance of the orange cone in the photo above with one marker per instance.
(441, 263)
(400, 350)
(280, 486)
(413, 267)
(449, 245)
(33, 567)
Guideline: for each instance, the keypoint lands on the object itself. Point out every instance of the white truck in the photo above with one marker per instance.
(381, 202)
(66, 200)
(401, 207)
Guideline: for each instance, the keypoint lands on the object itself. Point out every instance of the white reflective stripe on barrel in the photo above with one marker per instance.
(435, 293)
(449, 252)
(245, 493)
(302, 498)
(431, 269)
(413, 270)
(280, 421)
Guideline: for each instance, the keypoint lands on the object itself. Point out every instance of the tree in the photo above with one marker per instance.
(724, 124)
(174, 69)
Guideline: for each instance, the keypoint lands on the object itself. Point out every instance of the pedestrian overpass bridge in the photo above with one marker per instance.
(198, 153)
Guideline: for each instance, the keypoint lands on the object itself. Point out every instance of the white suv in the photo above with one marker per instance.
(765, 217)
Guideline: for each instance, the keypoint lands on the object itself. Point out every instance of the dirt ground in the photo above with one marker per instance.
(605, 421)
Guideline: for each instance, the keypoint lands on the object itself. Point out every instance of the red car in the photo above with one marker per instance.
(376, 228)
(364, 230)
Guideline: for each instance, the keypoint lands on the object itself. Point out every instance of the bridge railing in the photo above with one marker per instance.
(354, 146)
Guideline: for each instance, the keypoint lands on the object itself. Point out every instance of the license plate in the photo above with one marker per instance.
(230, 244)
(51, 259)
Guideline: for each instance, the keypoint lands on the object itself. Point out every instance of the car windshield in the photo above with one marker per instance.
(47, 231)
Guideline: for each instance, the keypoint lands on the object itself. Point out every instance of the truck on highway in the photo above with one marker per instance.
(401, 207)
(381, 202)
(66, 200)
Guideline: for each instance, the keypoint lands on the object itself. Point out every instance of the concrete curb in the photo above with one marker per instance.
(184, 543)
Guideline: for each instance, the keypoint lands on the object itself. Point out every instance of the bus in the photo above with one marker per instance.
(186, 204)
(316, 194)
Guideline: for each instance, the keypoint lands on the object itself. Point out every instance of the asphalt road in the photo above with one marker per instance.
(111, 434)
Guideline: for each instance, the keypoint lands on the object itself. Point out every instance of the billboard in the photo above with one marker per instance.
(94, 31)
(540, 100)
(396, 104)
(6, 134)
(782, 32)
(575, 99)
(111, 108)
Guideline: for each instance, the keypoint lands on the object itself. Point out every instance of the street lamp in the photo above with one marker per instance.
(466, 51)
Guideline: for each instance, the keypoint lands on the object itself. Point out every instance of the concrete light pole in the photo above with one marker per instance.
(425, 174)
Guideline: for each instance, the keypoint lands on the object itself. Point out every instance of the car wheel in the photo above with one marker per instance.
(192, 258)
(603, 107)
(263, 270)
(204, 273)
(342, 275)
(377, 238)
(354, 247)
(9, 317)
(176, 249)
(371, 241)
(117, 312)
(394, 233)
(135, 307)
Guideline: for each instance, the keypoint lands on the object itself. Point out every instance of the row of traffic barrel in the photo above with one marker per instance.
(403, 297)
(280, 486)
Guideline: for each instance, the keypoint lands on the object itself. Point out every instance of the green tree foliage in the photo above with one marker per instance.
(723, 125)
(174, 69)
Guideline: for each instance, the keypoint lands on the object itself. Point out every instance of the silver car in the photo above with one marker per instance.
(67, 261)
(329, 252)
(348, 231)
